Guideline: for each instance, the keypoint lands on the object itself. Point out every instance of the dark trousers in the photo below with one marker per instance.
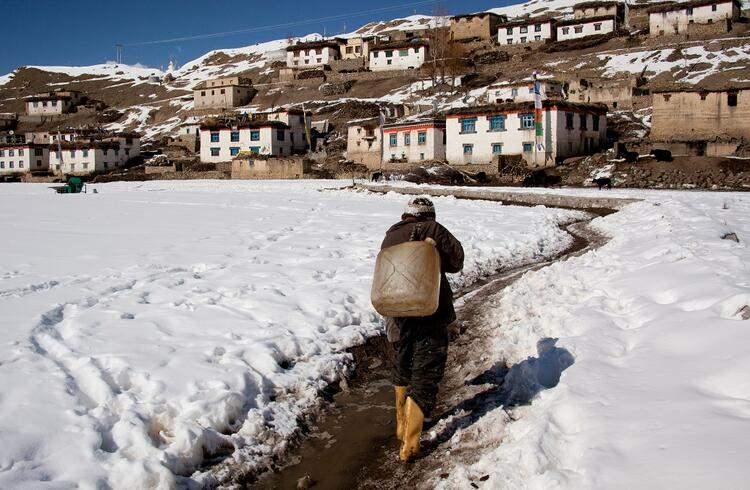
(419, 361)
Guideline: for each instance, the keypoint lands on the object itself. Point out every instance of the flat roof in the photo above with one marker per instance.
(526, 106)
(596, 4)
(586, 20)
(415, 43)
(437, 121)
(324, 43)
(668, 7)
(221, 125)
(525, 21)
(479, 14)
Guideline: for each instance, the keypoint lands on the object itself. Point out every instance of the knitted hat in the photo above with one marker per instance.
(420, 207)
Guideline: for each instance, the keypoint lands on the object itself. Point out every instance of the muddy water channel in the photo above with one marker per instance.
(353, 444)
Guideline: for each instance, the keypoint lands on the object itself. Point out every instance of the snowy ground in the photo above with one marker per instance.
(658, 395)
(150, 326)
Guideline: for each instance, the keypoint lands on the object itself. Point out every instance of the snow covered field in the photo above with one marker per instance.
(153, 326)
(658, 324)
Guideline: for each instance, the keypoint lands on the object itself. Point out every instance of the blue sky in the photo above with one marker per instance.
(84, 32)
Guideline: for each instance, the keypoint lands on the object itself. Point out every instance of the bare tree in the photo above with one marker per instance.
(439, 38)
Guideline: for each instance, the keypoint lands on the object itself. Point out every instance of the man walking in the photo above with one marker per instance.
(421, 344)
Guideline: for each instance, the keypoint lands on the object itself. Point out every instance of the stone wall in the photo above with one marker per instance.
(475, 27)
(700, 31)
(690, 116)
(617, 94)
(347, 65)
(716, 148)
(270, 168)
(149, 170)
(409, 75)
(508, 197)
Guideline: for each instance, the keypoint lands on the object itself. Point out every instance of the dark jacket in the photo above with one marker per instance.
(451, 259)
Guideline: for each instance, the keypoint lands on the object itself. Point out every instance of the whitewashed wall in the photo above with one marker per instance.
(268, 143)
(677, 21)
(402, 59)
(588, 29)
(516, 36)
(308, 58)
(432, 149)
(18, 159)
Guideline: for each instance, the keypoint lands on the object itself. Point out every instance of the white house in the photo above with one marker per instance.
(23, 158)
(405, 55)
(355, 47)
(85, 157)
(129, 142)
(530, 30)
(602, 8)
(677, 17)
(299, 125)
(52, 103)
(591, 26)
(523, 91)
(221, 142)
(414, 141)
(479, 135)
(313, 54)
(363, 143)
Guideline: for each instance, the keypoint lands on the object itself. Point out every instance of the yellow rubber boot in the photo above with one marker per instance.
(413, 430)
(400, 412)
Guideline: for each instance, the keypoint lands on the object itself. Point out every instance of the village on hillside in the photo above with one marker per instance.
(637, 94)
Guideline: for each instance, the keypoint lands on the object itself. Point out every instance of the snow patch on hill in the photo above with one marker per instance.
(683, 62)
(256, 56)
(109, 71)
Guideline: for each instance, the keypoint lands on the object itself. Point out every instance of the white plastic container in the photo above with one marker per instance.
(406, 282)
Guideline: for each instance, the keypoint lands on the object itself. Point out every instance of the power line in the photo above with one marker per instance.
(281, 26)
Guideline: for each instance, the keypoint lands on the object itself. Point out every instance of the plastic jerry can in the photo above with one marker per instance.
(406, 282)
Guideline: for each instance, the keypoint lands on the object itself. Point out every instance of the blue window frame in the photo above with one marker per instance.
(234, 136)
(393, 139)
(254, 135)
(214, 152)
(422, 138)
(528, 147)
(497, 123)
(234, 151)
(527, 120)
(468, 149)
(214, 136)
(407, 139)
(255, 149)
(497, 148)
(468, 125)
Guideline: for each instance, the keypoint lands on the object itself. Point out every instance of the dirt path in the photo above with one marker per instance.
(353, 444)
